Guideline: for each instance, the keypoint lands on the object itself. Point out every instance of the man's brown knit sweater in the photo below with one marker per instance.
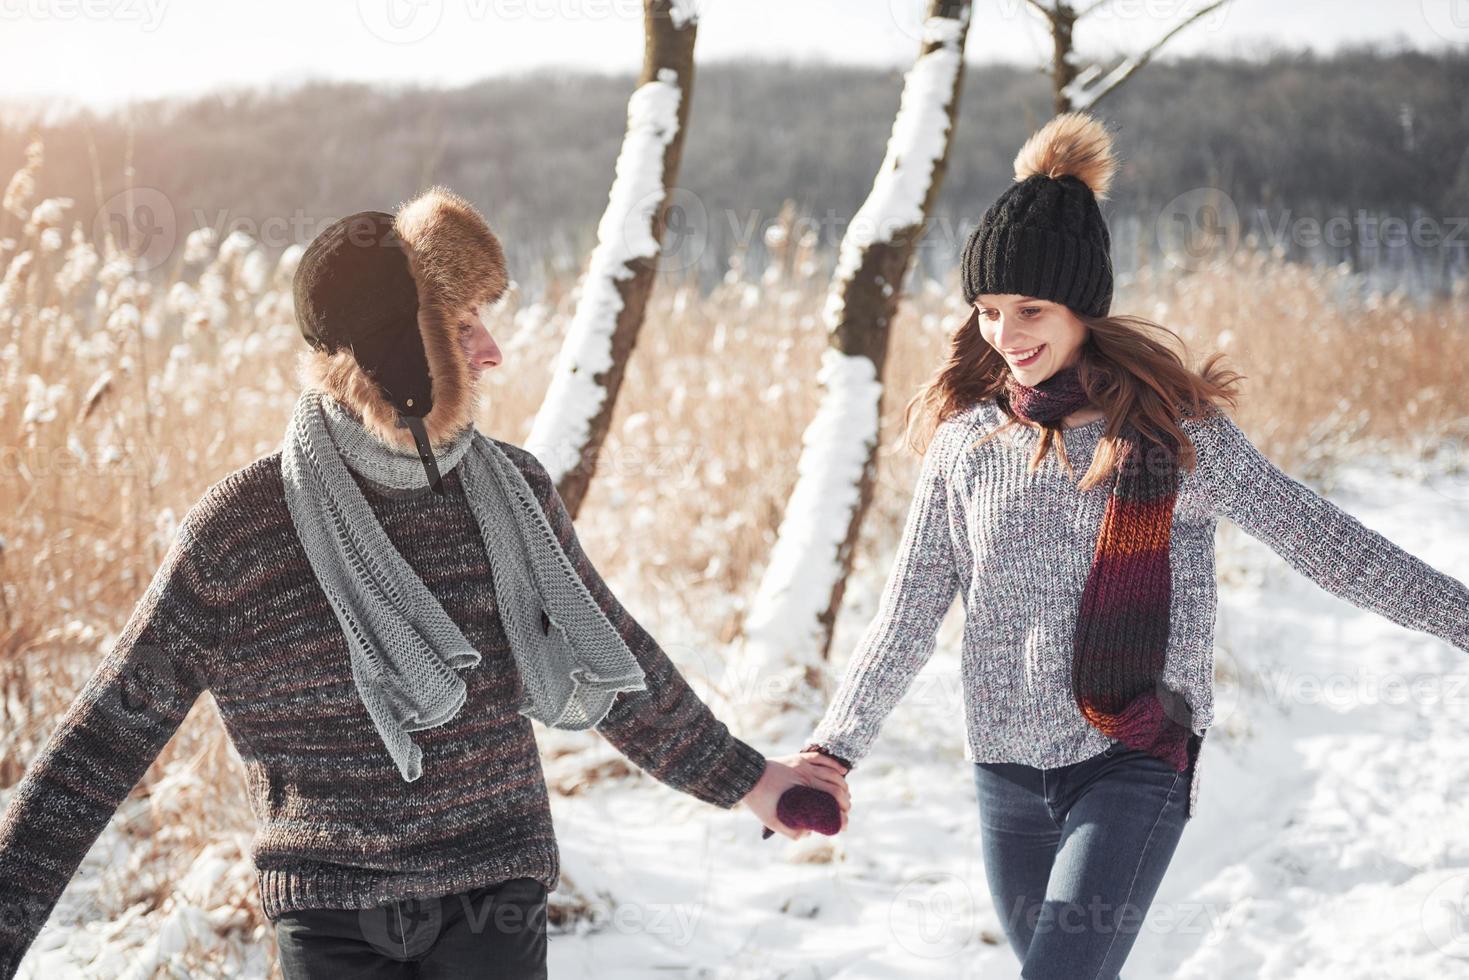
(235, 609)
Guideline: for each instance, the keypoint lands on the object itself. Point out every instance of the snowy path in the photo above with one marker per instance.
(1332, 838)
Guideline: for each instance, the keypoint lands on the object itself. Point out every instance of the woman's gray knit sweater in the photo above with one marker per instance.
(1017, 548)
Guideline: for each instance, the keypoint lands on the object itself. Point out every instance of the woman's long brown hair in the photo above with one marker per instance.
(1128, 373)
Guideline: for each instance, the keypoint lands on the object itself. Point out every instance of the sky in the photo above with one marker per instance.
(104, 52)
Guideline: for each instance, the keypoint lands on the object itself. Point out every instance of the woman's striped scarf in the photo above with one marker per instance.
(1121, 638)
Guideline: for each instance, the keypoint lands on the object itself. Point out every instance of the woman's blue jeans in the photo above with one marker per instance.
(1074, 855)
(498, 931)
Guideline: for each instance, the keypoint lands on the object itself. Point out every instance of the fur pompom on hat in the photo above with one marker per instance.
(1045, 235)
(379, 299)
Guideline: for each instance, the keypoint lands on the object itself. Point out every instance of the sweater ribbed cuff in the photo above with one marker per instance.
(819, 747)
(729, 777)
(1460, 637)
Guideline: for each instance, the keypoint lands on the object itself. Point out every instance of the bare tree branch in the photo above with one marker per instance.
(1130, 66)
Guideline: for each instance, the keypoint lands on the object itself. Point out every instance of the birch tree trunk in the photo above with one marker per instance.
(572, 423)
(791, 618)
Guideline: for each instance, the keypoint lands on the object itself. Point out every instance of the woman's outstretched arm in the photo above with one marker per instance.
(1323, 542)
(900, 638)
(125, 714)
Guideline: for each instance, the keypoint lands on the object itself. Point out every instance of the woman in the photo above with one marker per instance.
(1087, 652)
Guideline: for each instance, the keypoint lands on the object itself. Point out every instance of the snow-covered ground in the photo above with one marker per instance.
(1332, 838)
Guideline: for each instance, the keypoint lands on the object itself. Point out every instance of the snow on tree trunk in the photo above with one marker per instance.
(574, 417)
(790, 622)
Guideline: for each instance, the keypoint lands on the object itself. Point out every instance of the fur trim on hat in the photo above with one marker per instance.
(458, 267)
(1072, 143)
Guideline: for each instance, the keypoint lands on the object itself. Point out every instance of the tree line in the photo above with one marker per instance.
(1291, 133)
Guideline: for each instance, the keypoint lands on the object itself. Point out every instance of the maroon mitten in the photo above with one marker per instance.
(807, 808)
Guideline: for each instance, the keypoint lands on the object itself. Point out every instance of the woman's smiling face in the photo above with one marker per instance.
(1037, 337)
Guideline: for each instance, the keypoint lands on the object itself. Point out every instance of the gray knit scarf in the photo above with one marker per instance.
(405, 650)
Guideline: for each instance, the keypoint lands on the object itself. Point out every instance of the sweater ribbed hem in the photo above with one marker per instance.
(323, 886)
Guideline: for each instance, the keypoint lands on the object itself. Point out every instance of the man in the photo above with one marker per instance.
(379, 607)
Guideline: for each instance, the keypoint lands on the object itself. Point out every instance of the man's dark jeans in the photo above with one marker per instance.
(496, 931)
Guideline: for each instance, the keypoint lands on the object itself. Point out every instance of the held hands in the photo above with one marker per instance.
(803, 778)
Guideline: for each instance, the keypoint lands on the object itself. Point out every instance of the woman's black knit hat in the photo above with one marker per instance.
(1045, 235)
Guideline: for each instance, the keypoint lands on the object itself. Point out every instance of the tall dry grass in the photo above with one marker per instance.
(123, 399)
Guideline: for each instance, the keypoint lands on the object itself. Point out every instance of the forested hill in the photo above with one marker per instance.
(1284, 135)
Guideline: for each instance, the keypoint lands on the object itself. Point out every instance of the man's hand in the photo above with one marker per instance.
(802, 769)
